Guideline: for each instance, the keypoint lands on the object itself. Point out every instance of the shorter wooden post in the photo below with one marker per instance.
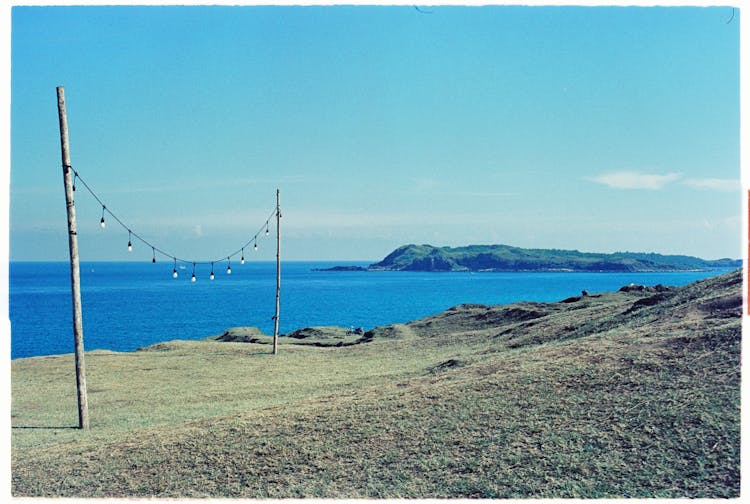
(278, 276)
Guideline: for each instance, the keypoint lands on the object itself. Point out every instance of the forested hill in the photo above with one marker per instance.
(507, 258)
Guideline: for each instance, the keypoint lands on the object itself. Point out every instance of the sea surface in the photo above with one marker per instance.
(130, 305)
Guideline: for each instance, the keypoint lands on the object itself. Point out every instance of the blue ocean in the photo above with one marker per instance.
(129, 305)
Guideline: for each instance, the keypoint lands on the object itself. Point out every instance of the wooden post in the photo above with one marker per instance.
(75, 270)
(278, 275)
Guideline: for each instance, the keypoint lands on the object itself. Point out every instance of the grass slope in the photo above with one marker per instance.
(626, 394)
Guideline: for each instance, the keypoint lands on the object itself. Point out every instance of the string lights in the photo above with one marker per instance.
(175, 259)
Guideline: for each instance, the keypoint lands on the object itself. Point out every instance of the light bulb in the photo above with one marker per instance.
(229, 270)
(174, 273)
(102, 223)
(242, 261)
(193, 278)
(130, 246)
(266, 230)
(255, 247)
(211, 276)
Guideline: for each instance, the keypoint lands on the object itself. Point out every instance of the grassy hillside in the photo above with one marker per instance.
(627, 394)
(507, 258)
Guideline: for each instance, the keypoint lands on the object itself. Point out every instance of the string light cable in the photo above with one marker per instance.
(264, 229)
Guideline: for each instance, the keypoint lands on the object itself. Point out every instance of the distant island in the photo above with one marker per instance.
(500, 258)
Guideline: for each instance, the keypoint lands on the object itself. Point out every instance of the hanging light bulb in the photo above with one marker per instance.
(192, 279)
(174, 269)
(75, 176)
(255, 246)
(266, 228)
(130, 244)
(153, 259)
(242, 259)
(229, 267)
(101, 222)
(211, 276)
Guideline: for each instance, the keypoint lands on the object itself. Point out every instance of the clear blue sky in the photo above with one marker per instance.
(598, 129)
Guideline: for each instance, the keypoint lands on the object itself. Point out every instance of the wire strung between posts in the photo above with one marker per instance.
(154, 249)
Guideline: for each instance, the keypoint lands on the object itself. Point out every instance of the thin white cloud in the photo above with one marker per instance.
(714, 184)
(635, 180)
(480, 194)
(424, 184)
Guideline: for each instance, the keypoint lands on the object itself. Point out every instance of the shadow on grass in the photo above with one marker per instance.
(61, 427)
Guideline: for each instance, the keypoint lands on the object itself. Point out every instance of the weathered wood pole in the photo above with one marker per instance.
(278, 275)
(75, 270)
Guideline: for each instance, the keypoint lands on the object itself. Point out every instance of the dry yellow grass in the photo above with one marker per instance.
(631, 394)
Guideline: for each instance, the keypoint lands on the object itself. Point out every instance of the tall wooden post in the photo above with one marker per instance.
(278, 275)
(75, 270)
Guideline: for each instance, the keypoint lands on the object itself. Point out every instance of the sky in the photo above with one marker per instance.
(600, 129)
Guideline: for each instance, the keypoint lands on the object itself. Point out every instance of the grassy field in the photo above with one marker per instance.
(627, 394)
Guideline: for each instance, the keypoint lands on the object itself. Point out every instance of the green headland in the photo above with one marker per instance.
(508, 258)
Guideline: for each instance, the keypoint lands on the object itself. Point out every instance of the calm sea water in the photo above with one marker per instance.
(131, 305)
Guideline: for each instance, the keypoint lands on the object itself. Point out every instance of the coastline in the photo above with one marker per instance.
(340, 328)
(552, 375)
